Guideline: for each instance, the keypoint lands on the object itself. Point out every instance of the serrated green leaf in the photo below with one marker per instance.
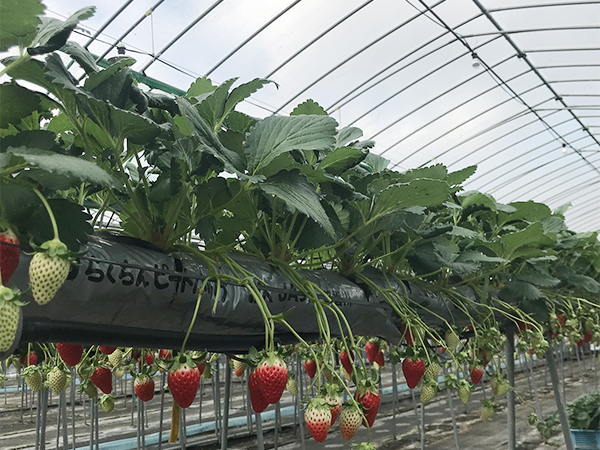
(19, 20)
(202, 85)
(242, 92)
(436, 172)
(561, 210)
(239, 122)
(458, 177)
(529, 211)
(533, 235)
(81, 56)
(341, 159)
(375, 163)
(209, 141)
(478, 198)
(52, 162)
(275, 135)
(135, 127)
(17, 103)
(420, 192)
(347, 135)
(463, 232)
(516, 290)
(309, 107)
(538, 279)
(473, 255)
(53, 33)
(294, 189)
(586, 283)
(554, 224)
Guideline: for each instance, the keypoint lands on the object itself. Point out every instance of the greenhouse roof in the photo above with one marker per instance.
(510, 85)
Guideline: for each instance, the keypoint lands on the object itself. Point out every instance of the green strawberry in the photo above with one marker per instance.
(9, 316)
(89, 388)
(116, 357)
(503, 387)
(432, 370)
(487, 410)
(33, 377)
(292, 385)
(107, 402)
(428, 391)
(119, 372)
(48, 270)
(464, 391)
(452, 340)
(57, 380)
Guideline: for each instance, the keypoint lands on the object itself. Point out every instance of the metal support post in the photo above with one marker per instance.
(560, 405)
(452, 411)
(510, 396)
(226, 400)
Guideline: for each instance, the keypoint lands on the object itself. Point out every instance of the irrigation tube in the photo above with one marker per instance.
(562, 414)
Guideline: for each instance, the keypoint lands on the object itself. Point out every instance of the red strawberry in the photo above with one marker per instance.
(102, 378)
(347, 360)
(311, 367)
(318, 418)
(10, 252)
(165, 354)
(70, 353)
(371, 348)
(379, 359)
(587, 337)
(259, 403)
(201, 366)
(350, 420)
(144, 387)
(29, 360)
(273, 375)
(476, 374)
(561, 320)
(149, 358)
(184, 379)
(413, 370)
(106, 349)
(368, 395)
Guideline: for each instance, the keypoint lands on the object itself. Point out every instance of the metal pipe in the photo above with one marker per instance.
(259, 433)
(394, 398)
(450, 402)
(162, 409)
(562, 414)
(226, 401)
(510, 396)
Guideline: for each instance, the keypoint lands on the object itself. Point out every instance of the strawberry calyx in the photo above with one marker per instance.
(11, 295)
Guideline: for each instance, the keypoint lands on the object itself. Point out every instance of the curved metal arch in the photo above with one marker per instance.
(553, 174)
(532, 30)
(252, 36)
(407, 87)
(542, 5)
(321, 35)
(389, 66)
(437, 98)
(520, 155)
(130, 29)
(519, 176)
(107, 23)
(583, 206)
(568, 191)
(354, 55)
(536, 71)
(181, 33)
(462, 124)
(481, 147)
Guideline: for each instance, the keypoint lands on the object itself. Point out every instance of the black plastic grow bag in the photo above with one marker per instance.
(123, 292)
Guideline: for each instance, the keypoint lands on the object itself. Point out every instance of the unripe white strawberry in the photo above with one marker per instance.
(33, 378)
(9, 317)
(48, 270)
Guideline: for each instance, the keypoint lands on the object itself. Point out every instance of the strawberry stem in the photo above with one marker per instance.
(50, 213)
